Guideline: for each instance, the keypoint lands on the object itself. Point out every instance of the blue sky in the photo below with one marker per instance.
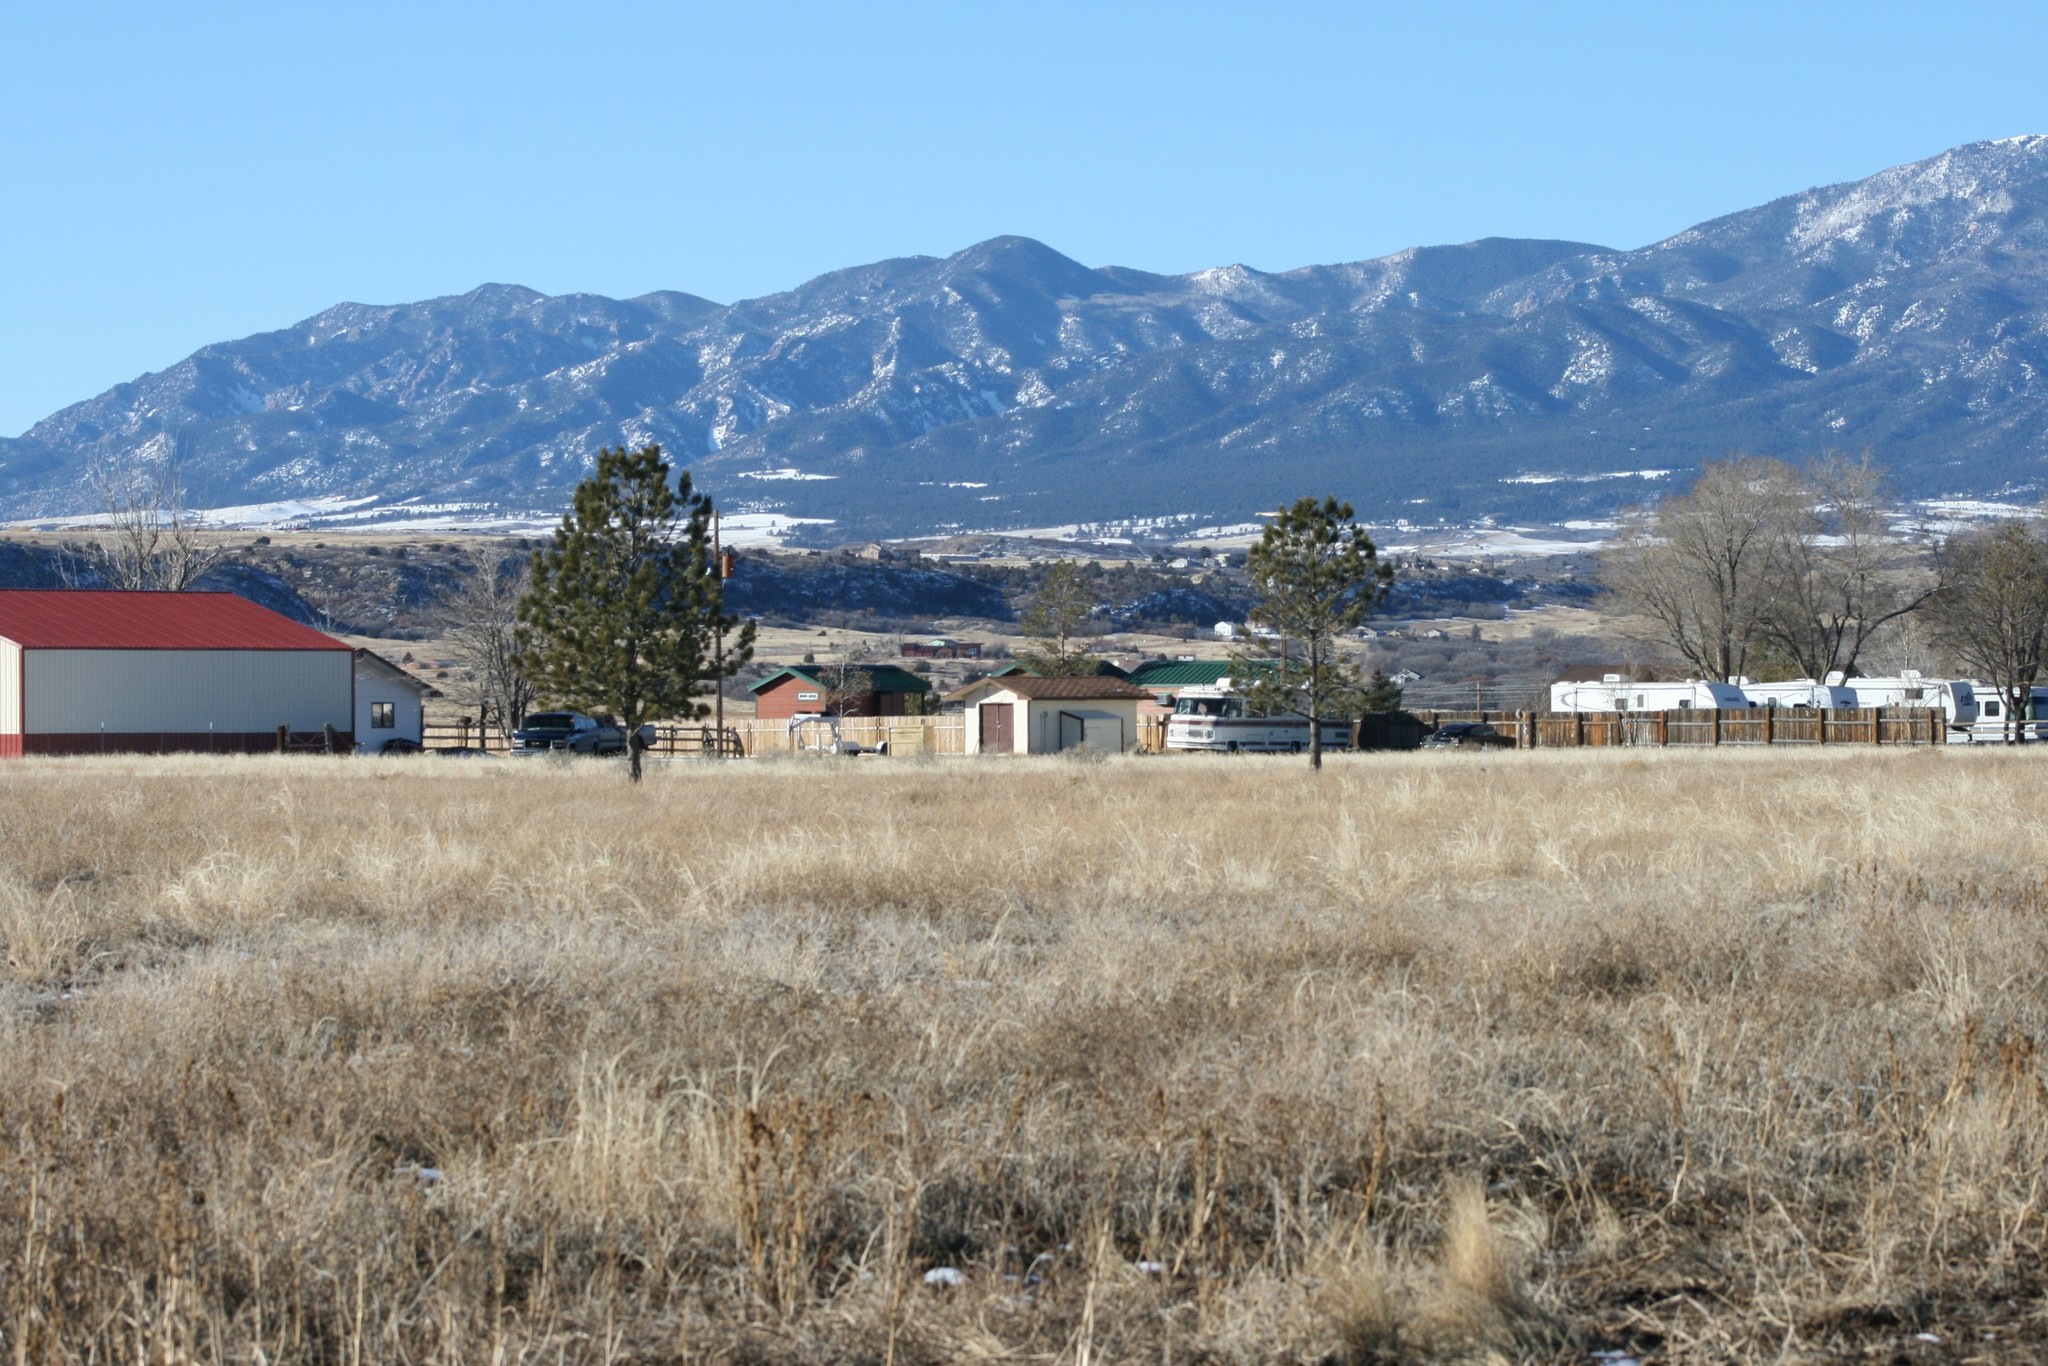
(175, 175)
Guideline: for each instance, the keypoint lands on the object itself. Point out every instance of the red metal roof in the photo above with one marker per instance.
(94, 619)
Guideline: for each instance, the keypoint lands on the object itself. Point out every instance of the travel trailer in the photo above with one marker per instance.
(1615, 693)
(1801, 693)
(1956, 698)
(1990, 725)
(1217, 719)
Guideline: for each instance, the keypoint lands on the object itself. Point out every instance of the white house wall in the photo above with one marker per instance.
(406, 710)
(81, 691)
(10, 688)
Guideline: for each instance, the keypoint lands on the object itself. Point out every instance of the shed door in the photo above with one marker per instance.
(998, 735)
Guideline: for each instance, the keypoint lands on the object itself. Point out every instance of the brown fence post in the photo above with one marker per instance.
(284, 739)
(328, 740)
(1579, 731)
(1714, 730)
(1770, 724)
(1821, 736)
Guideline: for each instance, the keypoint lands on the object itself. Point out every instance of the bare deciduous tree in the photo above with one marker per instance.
(1992, 609)
(485, 610)
(1759, 563)
(1842, 573)
(147, 541)
(1697, 569)
(846, 682)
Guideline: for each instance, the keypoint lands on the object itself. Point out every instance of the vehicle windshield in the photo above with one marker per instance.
(549, 720)
(1208, 706)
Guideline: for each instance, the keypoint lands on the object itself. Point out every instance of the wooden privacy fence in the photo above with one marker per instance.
(1757, 726)
(748, 737)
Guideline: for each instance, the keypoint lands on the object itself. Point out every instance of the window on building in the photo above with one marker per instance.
(383, 716)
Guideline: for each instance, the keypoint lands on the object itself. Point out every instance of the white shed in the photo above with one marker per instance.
(390, 703)
(1026, 714)
(87, 671)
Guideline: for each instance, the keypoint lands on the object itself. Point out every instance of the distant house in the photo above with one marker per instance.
(90, 671)
(390, 703)
(941, 648)
(1025, 714)
(803, 689)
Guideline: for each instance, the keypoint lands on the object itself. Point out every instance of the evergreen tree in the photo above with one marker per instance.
(1058, 616)
(622, 611)
(1381, 693)
(1316, 574)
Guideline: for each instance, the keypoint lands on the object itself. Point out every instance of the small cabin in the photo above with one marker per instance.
(1027, 714)
(806, 690)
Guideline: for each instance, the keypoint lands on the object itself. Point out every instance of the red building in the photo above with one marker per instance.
(807, 688)
(86, 671)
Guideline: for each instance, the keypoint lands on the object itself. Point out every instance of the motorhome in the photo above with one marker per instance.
(1217, 719)
(1615, 693)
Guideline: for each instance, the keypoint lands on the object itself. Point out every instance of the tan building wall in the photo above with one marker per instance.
(1035, 725)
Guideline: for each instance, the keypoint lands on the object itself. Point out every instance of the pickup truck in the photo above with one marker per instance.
(567, 732)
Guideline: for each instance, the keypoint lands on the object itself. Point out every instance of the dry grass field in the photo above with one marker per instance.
(1705, 1057)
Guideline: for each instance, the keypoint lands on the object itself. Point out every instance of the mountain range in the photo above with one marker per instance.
(1008, 386)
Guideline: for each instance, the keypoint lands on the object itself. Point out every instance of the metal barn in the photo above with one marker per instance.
(91, 672)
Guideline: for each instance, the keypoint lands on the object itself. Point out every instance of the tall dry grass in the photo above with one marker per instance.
(1708, 1056)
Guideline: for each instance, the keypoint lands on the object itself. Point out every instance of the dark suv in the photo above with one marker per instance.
(1467, 735)
(567, 732)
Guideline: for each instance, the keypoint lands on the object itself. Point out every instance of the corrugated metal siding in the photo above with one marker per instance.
(79, 691)
(10, 688)
(98, 619)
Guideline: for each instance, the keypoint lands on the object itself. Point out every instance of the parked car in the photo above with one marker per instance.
(1467, 735)
(567, 732)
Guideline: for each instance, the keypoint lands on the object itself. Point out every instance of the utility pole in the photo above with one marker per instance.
(718, 645)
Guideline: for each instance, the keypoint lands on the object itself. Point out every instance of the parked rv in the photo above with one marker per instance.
(1217, 719)
(1801, 694)
(1956, 698)
(1991, 724)
(1615, 693)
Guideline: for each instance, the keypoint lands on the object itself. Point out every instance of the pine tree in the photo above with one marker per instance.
(1381, 693)
(1059, 613)
(622, 610)
(1316, 574)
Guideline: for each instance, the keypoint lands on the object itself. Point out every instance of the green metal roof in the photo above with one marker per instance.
(1102, 668)
(882, 677)
(1181, 673)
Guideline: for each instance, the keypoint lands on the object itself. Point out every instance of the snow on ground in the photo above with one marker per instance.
(367, 515)
(1485, 543)
(1584, 478)
(762, 528)
(786, 472)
